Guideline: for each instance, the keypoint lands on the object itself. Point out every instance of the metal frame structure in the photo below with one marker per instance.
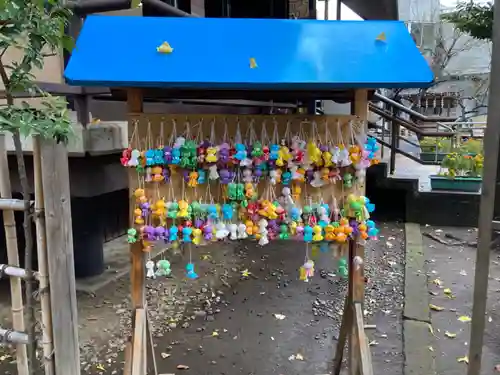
(488, 221)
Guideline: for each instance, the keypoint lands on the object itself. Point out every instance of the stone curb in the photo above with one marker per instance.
(419, 358)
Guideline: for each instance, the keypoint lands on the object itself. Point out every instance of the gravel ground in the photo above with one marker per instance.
(226, 322)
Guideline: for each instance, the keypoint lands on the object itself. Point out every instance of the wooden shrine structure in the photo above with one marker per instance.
(264, 59)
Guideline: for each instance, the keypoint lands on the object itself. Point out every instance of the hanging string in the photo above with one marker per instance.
(263, 134)
(225, 135)
(237, 137)
(133, 137)
(275, 139)
(162, 134)
(212, 132)
(173, 135)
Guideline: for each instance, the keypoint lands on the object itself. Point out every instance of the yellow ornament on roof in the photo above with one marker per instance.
(253, 63)
(164, 48)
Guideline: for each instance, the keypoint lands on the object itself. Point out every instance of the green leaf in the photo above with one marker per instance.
(68, 43)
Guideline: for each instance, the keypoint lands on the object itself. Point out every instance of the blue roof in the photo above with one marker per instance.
(215, 53)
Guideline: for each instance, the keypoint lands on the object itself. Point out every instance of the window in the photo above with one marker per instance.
(424, 34)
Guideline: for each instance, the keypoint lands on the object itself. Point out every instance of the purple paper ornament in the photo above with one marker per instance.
(160, 233)
(309, 175)
(207, 232)
(323, 148)
(167, 154)
(145, 209)
(225, 176)
(149, 233)
(198, 223)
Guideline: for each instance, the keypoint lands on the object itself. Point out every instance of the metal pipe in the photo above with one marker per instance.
(411, 111)
(162, 9)
(13, 337)
(85, 7)
(12, 271)
(412, 127)
(12, 204)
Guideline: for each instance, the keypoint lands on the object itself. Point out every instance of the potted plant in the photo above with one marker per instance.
(434, 149)
(460, 171)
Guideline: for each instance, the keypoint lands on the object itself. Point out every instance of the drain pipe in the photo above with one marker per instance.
(84, 8)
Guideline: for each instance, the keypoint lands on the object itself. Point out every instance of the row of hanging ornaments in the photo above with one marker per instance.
(238, 166)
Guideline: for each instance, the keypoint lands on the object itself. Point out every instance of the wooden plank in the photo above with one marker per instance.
(364, 354)
(138, 277)
(55, 183)
(138, 342)
(42, 257)
(345, 328)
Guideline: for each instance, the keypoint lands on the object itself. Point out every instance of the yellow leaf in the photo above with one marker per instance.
(464, 318)
(437, 282)
(435, 308)
(100, 367)
(381, 37)
(164, 48)
(215, 334)
(431, 330)
(245, 273)
(450, 335)
(447, 291)
(463, 359)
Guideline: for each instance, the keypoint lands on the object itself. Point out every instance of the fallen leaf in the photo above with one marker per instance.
(4, 357)
(450, 335)
(431, 330)
(373, 343)
(165, 355)
(463, 359)
(447, 291)
(215, 334)
(463, 273)
(431, 349)
(100, 367)
(182, 367)
(435, 308)
(299, 357)
(279, 316)
(437, 282)
(490, 319)
(272, 338)
(245, 273)
(464, 318)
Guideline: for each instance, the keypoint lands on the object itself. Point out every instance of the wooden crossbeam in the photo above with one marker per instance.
(365, 358)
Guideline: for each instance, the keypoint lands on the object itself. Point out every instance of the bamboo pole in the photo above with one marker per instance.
(13, 259)
(43, 277)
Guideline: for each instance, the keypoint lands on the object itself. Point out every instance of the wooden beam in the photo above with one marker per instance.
(55, 183)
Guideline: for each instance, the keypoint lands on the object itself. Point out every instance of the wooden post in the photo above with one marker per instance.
(136, 363)
(352, 328)
(55, 183)
(43, 268)
(16, 291)
(134, 100)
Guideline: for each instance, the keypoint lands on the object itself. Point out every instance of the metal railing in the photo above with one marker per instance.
(430, 126)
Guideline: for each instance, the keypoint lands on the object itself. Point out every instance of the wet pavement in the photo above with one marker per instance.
(263, 322)
(451, 283)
